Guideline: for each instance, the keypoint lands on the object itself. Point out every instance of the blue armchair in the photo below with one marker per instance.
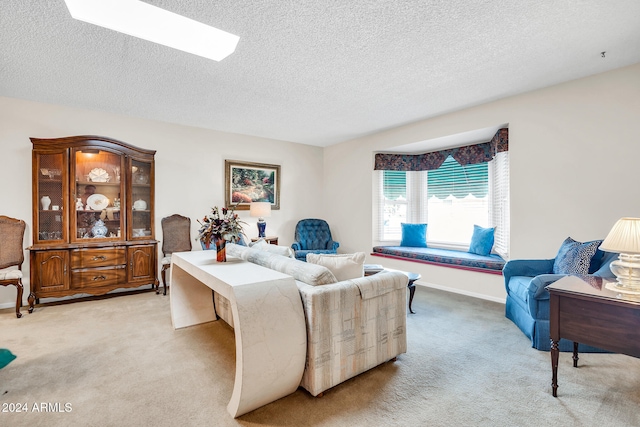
(527, 302)
(313, 236)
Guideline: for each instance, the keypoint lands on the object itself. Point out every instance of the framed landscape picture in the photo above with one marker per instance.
(247, 182)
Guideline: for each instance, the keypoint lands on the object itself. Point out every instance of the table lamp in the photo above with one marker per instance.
(260, 210)
(624, 238)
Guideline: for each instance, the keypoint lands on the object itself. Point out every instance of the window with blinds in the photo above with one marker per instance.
(451, 199)
(499, 213)
(393, 204)
(458, 198)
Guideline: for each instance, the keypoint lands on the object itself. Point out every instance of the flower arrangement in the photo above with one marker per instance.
(221, 223)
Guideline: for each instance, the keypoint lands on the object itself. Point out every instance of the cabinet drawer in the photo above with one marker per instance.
(98, 277)
(87, 258)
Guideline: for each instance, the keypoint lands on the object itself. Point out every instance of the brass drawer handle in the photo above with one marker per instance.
(99, 258)
(100, 278)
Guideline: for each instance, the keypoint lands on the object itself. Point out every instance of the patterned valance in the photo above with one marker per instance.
(470, 154)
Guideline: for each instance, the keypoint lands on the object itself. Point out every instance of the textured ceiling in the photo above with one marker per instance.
(316, 71)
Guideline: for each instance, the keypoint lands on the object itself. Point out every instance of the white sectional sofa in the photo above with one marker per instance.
(352, 325)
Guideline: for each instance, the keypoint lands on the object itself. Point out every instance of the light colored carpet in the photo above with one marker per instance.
(119, 362)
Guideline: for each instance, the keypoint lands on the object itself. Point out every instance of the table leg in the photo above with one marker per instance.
(32, 301)
(554, 367)
(271, 343)
(575, 354)
(213, 298)
(20, 289)
(412, 291)
(191, 301)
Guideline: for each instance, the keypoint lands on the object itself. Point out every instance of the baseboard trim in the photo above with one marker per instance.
(79, 297)
(462, 292)
(7, 305)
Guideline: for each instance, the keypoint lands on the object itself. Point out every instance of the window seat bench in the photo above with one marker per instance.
(491, 264)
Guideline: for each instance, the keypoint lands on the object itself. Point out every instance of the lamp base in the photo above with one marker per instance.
(627, 270)
(623, 293)
(262, 227)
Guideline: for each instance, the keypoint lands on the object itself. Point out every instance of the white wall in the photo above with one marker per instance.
(189, 167)
(574, 153)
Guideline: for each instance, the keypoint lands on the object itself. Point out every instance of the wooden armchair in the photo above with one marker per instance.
(176, 237)
(12, 257)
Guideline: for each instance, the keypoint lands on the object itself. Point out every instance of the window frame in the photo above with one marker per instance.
(498, 215)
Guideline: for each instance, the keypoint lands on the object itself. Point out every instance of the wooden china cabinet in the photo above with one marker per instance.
(93, 211)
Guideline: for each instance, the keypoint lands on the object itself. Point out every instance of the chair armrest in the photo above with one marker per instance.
(337, 349)
(538, 284)
(526, 267)
(296, 246)
(380, 284)
(332, 245)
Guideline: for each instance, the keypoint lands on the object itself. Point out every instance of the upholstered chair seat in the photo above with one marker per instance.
(10, 274)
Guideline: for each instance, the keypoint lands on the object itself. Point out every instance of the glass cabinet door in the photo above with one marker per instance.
(51, 175)
(96, 195)
(141, 202)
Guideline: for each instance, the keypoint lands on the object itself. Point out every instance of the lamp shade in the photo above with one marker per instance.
(260, 209)
(624, 237)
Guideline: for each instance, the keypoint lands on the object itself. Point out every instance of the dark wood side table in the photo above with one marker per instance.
(272, 240)
(583, 311)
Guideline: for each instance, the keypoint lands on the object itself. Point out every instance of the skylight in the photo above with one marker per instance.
(152, 23)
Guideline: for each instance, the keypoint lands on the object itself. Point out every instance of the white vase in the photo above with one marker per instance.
(99, 229)
(139, 205)
(45, 201)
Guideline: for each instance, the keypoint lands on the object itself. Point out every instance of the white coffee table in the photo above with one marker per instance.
(268, 320)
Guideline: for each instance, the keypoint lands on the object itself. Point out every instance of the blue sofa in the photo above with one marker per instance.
(527, 302)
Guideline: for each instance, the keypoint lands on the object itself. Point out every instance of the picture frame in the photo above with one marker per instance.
(247, 182)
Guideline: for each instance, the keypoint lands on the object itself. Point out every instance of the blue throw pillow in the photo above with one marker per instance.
(414, 235)
(575, 257)
(482, 240)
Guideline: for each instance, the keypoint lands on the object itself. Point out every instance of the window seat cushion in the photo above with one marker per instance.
(445, 257)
